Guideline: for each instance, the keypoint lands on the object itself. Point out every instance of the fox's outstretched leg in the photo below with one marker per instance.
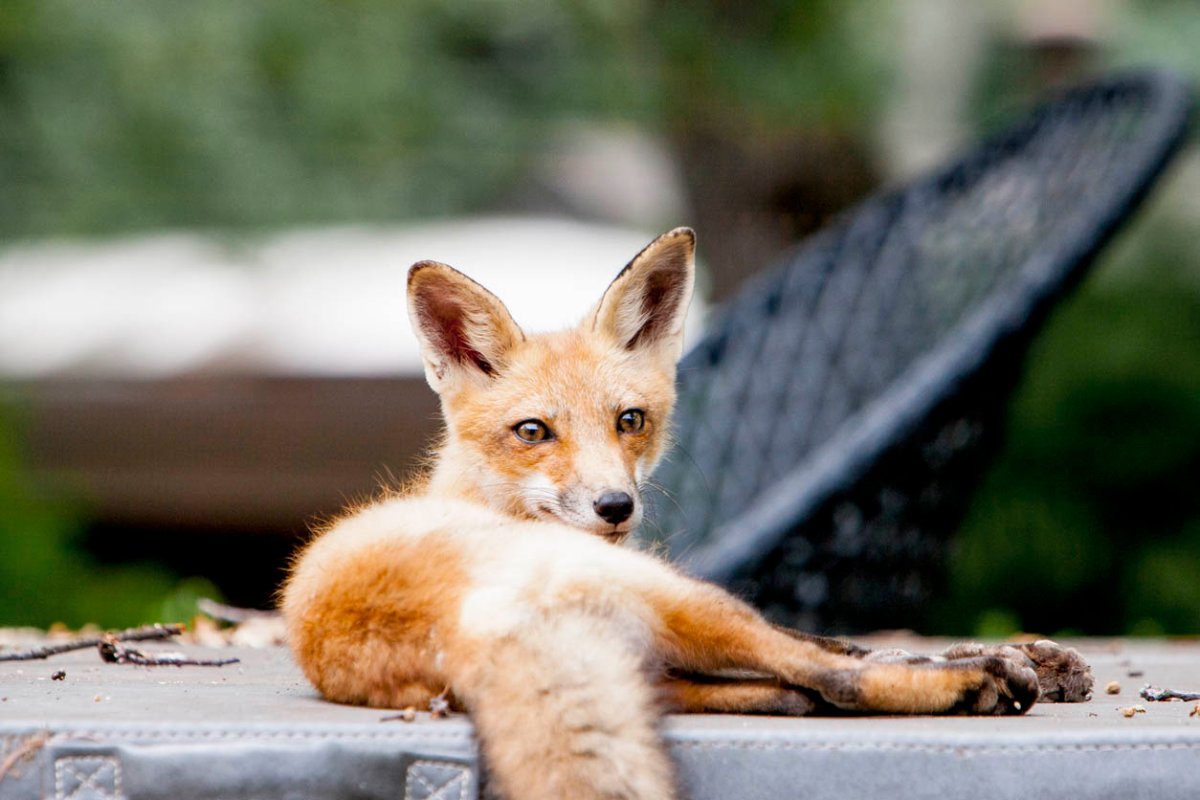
(699, 694)
(707, 630)
(1063, 675)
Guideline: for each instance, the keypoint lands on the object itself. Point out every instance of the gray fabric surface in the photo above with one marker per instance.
(257, 730)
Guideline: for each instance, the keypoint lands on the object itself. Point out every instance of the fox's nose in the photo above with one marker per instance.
(614, 507)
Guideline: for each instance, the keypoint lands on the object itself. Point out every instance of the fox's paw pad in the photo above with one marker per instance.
(1006, 686)
(1062, 673)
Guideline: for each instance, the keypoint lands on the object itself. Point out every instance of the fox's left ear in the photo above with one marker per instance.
(465, 332)
(644, 307)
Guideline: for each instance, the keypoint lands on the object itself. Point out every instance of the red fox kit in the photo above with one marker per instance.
(501, 583)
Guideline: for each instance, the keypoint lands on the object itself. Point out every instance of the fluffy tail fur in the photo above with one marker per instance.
(565, 710)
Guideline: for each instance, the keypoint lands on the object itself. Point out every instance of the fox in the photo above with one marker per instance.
(503, 582)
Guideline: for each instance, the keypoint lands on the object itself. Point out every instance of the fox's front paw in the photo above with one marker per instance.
(1006, 686)
(1063, 675)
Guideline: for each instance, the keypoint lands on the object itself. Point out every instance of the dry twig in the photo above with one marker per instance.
(1155, 694)
(112, 651)
(147, 633)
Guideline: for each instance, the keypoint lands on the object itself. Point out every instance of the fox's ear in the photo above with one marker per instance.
(644, 308)
(464, 330)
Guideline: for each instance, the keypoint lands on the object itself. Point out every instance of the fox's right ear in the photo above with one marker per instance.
(464, 330)
(644, 308)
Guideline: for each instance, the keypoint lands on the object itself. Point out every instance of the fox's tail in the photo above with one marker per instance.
(564, 710)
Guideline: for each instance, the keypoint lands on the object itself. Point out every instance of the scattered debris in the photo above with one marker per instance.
(407, 715)
(147, 633)
(259, 632)
(440, 706)
(243, 627)
(14, 637)
(61, 675)
(1135, 673)
(1155, 694)
(112, 651)
(205, 632)
(1129, 711)
(1112, 687)
(1195, 711)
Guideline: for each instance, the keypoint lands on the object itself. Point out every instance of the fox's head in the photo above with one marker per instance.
(563, 426)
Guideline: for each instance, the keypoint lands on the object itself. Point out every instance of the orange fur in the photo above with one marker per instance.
(498, 579)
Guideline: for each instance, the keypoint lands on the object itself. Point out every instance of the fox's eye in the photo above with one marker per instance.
(532, 431)
(631, 420)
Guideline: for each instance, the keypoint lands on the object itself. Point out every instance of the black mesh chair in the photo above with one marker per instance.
(841, 407)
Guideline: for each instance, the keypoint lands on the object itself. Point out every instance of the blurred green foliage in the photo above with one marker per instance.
(1160, 32)
(138, 114)
(1089, 523)
(773, 64)
(44, 575)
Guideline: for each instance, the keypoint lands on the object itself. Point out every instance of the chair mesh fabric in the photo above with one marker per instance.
(839, 409)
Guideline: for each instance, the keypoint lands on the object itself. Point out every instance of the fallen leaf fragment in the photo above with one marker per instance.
(440, 705)
(407, 715)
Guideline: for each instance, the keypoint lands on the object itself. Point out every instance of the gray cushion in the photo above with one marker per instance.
(257, 730)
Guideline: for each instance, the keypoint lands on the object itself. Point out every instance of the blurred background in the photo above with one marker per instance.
(207, 210)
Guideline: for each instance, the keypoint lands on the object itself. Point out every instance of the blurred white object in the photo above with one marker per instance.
(312, 302)
(613, 172)
(940, 45)
(1063, 20)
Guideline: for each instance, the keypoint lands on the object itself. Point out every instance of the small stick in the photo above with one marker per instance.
(114, 652)
(1154, 693)
(149, 632)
